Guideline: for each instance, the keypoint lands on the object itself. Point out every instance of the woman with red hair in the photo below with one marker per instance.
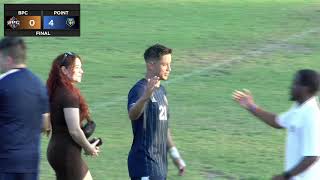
(68, 111)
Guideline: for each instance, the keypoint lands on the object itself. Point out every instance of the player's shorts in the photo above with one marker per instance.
(18, 176)
(149, 178)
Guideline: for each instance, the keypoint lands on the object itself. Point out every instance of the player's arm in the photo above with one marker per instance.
(174, 154)
(304, 164)
(136, 109)
(46, 124)
(245, 99)
(170, 142)
(73, 123)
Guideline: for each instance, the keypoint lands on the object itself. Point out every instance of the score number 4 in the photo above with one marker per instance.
(51, 23)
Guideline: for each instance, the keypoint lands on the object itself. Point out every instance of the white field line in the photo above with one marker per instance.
(266, 49)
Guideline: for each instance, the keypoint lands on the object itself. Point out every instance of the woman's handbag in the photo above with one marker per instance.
(88, 129)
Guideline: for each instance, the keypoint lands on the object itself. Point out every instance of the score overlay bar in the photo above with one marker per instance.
(41, 19)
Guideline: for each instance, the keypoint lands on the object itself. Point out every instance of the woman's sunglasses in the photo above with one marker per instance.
(65, 56)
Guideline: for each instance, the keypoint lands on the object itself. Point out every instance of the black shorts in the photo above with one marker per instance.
(150, 178)
(18, 176)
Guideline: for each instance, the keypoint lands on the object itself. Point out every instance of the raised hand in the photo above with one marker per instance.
(151, 85)
(244, 98)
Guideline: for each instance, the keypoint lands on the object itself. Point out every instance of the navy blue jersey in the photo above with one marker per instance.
(23, 100)
(148, 154)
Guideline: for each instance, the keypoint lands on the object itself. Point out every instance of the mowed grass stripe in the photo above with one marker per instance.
(214, 135)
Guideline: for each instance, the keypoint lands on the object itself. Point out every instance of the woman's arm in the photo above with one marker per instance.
(73, 122)
(46, 124)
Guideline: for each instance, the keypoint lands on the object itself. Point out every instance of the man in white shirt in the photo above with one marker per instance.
(302, 122)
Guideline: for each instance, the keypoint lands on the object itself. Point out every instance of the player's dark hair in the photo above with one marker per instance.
(155, 52)
(14, 47)
(58, 79)
(309, 78)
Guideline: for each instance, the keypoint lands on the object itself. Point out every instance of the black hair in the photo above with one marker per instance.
(309, 78)
(155, 52)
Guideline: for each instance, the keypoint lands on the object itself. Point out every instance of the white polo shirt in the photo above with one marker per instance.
(303, 137)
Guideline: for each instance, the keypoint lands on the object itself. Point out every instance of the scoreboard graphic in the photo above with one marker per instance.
(41, 19)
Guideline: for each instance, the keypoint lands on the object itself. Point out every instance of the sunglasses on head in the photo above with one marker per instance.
(65, 56)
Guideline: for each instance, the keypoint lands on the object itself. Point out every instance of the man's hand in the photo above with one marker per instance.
(136, 110)
(151, 85)
(179, 163)
(177, 160)
(244, 98)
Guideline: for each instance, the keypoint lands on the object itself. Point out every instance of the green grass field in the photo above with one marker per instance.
(219, 46)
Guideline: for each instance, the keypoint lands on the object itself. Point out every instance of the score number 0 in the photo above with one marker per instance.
(32, 22)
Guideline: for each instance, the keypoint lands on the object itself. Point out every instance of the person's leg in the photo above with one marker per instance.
(60, 176)
(88, 176)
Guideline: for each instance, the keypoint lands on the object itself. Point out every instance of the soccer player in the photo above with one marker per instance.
(149, 114)
(23, 112)
(302, 122)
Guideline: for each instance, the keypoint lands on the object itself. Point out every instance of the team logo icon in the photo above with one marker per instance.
(153, 99)
(13, 22)
(70, 22)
